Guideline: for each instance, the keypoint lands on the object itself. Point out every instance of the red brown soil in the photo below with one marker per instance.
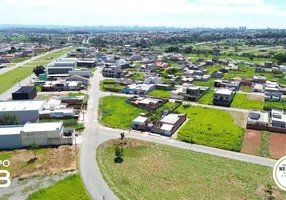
(277, 145)
(255, 97)
(251, 141)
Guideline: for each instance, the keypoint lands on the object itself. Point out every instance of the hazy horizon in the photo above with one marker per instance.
(254, 14)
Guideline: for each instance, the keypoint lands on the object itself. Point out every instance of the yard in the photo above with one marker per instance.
(50, 161)
(242, 101)
(69, 188)
(210, 127)
(11, 78)
(154, 171)
(160, 93)
(115, 113)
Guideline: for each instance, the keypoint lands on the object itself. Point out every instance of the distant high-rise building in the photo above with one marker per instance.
(242, 28)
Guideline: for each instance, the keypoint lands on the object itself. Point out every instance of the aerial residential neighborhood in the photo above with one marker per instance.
(125, 111)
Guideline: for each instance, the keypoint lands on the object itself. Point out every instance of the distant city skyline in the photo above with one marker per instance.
(169, 13)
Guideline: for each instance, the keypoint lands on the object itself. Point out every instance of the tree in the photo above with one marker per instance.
(40, 69)
(13, 49)
(34, 148)
(118, 154)
(280, 57)
(9, 119)
(251, 57)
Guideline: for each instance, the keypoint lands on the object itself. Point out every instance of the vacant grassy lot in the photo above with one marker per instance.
(209, 83)
(137, 76)
(160, 93)
(153, 171)
(241, 101)
(71, 94)
(277, 105)
(207, 98)
(211, 127)
(50, 161)
(69, 188)
(115, 113)
(11, 78)
(17, 60)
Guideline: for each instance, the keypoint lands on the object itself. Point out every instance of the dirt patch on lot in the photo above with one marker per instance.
(49, 161)
(251, 142)
(239, 118)
(255, 97)
(277, 145)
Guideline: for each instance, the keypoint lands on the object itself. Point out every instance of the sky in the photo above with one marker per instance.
(171, 13)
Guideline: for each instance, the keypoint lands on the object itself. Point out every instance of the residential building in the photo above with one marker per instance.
(140, 123)
(278, 118)
(77, 78)
(259, 79)
(223, 97)
(153, 80)
(168, 124)
(138, 89)
(111, 71)
(259, 118)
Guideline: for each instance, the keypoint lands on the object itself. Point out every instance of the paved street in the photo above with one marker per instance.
(95, 134)
(8, 94)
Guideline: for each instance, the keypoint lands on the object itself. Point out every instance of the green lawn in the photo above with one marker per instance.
(152, 171)
(115, 113)
(52, 56)
(241, 101)
(11, 78)
(69, 188)
(209, 83)
(207, 98)
(210, 127)
(17, 60)
(160, 93)
(137, 76)
(277, 105)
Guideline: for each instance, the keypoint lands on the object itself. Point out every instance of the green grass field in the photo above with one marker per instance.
(11, 78)
(17, 60)
(69, 188)
(115, 113)
(153, 171)
(54, 55)
(210, 127)
(241, 101)
(207, 98)
(209, 83)
(160, 93)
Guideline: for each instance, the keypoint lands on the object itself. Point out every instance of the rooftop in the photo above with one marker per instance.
(21, 105)
(223, 91)
(10, 130)
(140, 119)
(39, 127)
(170, 118)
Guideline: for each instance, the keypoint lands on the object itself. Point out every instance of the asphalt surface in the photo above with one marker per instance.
(95, 134)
